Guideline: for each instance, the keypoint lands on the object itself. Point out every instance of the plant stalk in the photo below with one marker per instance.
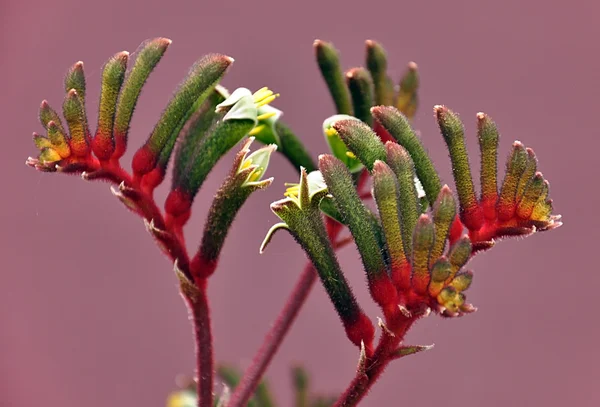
(375, 365)
(203, 340)
(279, 330)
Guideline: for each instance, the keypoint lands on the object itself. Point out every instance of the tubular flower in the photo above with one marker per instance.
(63, 149)
(414, 249)
(519, 208)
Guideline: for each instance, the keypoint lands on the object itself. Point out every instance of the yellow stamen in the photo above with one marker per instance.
(266, 116)
(255, 175)
(256, 130)
(292, 191)
(245, 164)
(262, 93)
(267, 100)
(350, 154)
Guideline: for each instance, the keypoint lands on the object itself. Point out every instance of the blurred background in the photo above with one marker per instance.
(89, 309)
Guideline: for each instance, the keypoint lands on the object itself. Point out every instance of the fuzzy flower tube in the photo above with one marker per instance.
(414, 245)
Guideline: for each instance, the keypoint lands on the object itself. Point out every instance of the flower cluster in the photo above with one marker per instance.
(414, 249)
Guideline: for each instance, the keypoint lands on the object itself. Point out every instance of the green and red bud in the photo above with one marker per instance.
(148, 54)
(423, 239)
(244, 178)
(400, 162)
(488, 136)
(200, 82)
(79, 133)
(444, 213)
(515, 166)
(387, 198)
(453, 133)
(113, 74)
(302, 217)
(358, 218)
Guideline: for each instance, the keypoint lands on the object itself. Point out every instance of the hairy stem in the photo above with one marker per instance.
(375, 365)
(274, 337)
(204, 352)
(279, 330)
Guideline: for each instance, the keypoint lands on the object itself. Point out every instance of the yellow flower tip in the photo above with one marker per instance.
(350, 154)
(256, 130)
(266, 116)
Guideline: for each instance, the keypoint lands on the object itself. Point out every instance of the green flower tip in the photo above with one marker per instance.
(304, 192)
(243, 104)
(254, 165)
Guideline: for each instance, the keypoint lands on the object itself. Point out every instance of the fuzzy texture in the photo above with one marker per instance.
(79, 133)
(362, 92)
(401, 164)
(387, 197)
(376, 63)
(361, 141)
(149, 54)
(329, 65)
(201, 80)
(113, 75)
(398, 127)
(453, 133)
(340, 185)
(407, 99)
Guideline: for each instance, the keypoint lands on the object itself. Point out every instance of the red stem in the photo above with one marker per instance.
(274, 338)
(204, 351)
(174, 247)
(374, 365)
(279, 330)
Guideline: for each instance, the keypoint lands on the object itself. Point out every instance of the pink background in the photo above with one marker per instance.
(89, 310)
